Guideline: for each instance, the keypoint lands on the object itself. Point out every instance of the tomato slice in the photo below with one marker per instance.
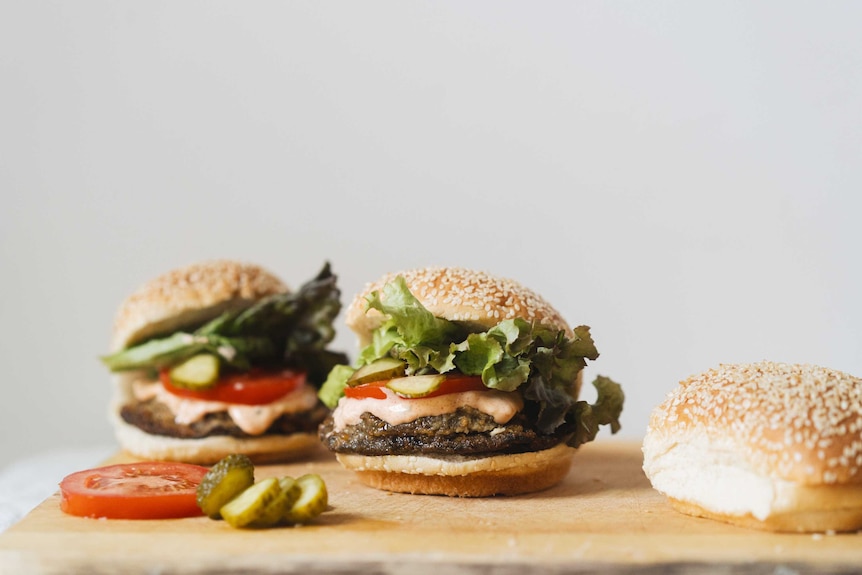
(373, 390)
(255, 387)
(146, 490)
(459, 384)
(452, 384)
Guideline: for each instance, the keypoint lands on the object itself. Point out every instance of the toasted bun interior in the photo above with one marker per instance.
(460, 476)
(766, 445)
(190, 296)
(457, 294)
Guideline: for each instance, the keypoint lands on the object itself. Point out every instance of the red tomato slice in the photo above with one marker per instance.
(458, 384)
(147, 490)
(255, 387)
(452, 384)
(367, 390)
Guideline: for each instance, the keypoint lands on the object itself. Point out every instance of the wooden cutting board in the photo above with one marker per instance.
(603, 517)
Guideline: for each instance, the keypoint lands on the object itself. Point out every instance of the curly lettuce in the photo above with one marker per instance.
(543, 361)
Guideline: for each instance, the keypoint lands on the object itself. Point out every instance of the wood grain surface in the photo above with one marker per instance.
(604, 517)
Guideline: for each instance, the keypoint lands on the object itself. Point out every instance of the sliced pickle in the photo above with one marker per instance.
(385, 368)
(197, 372)
(312, 501)
(224, 481)
(277, 509)
(415, 386)
(248, 507)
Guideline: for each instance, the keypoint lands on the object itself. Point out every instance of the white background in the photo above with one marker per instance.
(684, 177)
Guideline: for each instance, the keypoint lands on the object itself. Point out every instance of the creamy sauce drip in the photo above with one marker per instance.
(253, 419)
(394, 410)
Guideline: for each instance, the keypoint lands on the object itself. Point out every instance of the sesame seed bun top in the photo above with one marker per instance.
(458, 294)
(188, 297)
(801, 423)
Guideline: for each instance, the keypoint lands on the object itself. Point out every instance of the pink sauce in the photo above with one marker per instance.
(500, 405)
(253, 419)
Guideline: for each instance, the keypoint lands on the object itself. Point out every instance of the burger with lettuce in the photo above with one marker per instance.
(466, 385)
(221, 357)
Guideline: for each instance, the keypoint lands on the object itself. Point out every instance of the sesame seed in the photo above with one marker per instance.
(804, 418)
(460, 294)
(192, 290)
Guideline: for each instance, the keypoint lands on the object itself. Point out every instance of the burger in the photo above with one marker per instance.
(221, 357)
(466, 385)
(771, 446)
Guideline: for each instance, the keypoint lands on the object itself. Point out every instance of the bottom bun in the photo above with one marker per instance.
(803, 521)
(712, 478)
(208, 450)
(457, 476)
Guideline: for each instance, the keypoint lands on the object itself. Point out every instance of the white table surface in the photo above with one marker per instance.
(27, 482)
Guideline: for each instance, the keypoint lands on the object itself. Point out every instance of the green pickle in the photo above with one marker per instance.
(416, 386)
(224, 481)
(276, 511)
(197, 372)
(312, 501)
(384, 368)
(228, 491)
(249, 506)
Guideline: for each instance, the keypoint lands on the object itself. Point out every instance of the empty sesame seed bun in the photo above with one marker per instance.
(455, 476)
(457, 294)
(190, 296)
(767, 445)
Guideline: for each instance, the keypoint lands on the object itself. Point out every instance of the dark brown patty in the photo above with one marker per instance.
(467, 431)
(156, 418)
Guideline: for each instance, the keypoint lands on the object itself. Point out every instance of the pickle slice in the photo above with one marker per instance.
(197, 372)
(385, 368)
(312, 501)
(248, 507)
(224, 481)
(276, 511)
(415, 386)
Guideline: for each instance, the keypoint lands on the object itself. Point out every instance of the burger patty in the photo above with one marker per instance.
(156, 418)
(467, 431)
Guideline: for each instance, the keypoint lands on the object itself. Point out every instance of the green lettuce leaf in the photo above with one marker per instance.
(156, 353)
(412, 333)
(605, 411)
(333, 388)
(413, 322)
(489, 354)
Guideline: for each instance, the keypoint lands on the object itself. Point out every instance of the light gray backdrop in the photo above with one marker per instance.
(684, 177)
